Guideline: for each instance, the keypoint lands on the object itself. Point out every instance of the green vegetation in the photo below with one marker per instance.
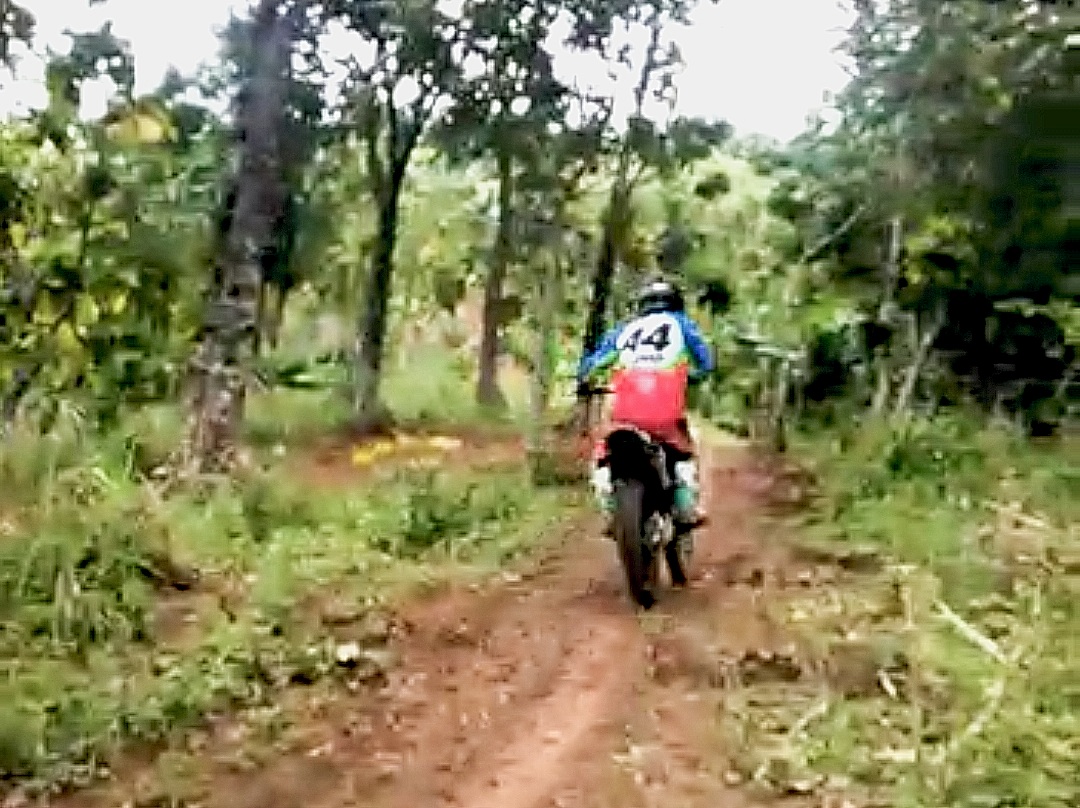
(943, 618)
(128, 613)
(922, 331)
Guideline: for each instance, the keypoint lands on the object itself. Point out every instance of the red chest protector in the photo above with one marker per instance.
(652, 400)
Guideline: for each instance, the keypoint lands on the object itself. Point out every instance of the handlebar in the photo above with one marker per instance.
(586, 390)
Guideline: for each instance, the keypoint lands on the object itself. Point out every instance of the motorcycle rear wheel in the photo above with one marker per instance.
(628, 526)
(677, 554)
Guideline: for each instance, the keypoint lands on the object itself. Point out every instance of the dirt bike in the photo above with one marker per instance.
(641, 474)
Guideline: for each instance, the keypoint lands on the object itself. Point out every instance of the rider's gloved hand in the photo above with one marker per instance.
(583, 388)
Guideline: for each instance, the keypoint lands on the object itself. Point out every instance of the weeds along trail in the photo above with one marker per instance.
(516, 691)
(109, 656)
(532, 685)
(534, 689)
(400, 636)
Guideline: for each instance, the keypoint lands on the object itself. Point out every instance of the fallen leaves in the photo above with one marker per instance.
(366, 454)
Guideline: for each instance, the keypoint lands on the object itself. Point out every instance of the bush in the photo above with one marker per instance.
(975, 597)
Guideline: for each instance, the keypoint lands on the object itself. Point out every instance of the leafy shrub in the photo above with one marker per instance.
(435, 507)
(76, 584)
(81, 670)
(977, 591)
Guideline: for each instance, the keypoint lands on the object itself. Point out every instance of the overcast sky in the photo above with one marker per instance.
(763, 65)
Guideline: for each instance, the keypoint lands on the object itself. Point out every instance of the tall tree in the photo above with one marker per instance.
(555, 239)
(500, 111)
(300, 134)
(226, 344)
(941, 198)
(642, 145)
(412, 52)
(100, 233)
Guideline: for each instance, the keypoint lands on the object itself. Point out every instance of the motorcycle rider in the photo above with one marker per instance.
(652, 358)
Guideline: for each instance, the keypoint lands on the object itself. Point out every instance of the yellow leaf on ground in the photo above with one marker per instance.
(366, 455)
(444, 443)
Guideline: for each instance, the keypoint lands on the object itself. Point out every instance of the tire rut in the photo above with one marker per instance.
(531, 692)
(507, 689)
(543, 688)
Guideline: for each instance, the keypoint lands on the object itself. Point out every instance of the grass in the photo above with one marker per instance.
(430, 390)
(952, 670)
(107, 636)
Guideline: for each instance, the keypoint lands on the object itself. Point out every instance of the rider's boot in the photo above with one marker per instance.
(698, 518)
(688, 511)
(605, 496)
(607, 508)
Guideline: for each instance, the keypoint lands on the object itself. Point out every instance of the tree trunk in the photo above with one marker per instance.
(261, 324)
(887, 316)
(616, 226)
(232, 317)
(914, 370)
(617, 216)
(883, 385)
(280, 301)
(547, 304)
(369, 414)
(488, 393)
(602, 280)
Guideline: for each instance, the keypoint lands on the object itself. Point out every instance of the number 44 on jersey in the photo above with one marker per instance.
(652, 341)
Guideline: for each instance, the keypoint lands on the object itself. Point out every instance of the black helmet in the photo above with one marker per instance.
(659, 295)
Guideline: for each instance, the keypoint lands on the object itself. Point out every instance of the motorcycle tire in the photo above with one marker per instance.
(636, 557)
(677, 554)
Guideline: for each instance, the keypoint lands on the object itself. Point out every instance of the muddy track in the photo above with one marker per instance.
(543, 688)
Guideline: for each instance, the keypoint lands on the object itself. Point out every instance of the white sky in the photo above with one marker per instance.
(763, 65)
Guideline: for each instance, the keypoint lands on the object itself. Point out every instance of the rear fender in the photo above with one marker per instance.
(631, 456)
(626, 452)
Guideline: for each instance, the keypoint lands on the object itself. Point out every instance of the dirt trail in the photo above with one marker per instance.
(544, 687)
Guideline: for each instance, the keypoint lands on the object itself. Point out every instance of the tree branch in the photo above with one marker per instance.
(652, 63)
(815, 252)
(371, 135)
(929, 337)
